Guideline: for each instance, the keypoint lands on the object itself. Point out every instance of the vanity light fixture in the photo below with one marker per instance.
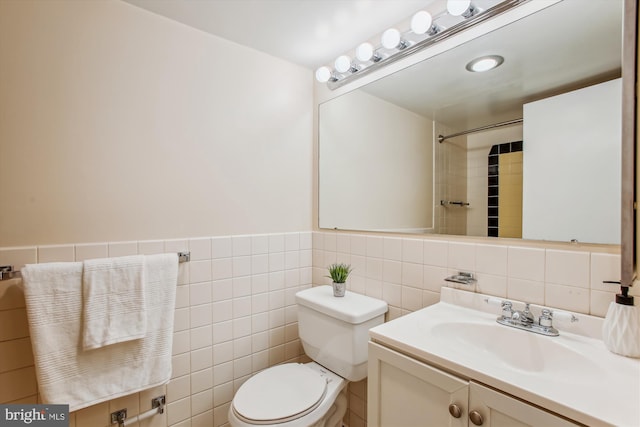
(392, 39)
(342, 64)
(323, 74)
(421, 22)
(484, 63)
(365, 52)
(461, 8)
(424, 32)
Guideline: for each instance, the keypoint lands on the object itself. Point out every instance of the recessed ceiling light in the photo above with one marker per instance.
(485, 63)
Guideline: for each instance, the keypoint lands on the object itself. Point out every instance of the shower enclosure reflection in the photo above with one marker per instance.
(382, 167)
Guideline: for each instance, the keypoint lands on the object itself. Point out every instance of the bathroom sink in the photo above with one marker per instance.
(525, 351)
(572, 374)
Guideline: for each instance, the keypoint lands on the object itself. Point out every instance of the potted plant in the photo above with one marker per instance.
(339, 273)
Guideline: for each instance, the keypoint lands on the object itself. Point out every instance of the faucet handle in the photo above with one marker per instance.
(564, 316)
(507, 310)
(546, 318)
(504, 305)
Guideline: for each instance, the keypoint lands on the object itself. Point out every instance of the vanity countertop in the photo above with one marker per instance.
(573, 375)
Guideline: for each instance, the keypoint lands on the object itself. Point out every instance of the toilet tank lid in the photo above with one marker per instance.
(351, 308)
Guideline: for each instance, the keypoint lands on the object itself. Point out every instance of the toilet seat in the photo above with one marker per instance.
(279, 394)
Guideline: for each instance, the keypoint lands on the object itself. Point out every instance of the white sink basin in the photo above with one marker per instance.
(525, 351)
(571, 374)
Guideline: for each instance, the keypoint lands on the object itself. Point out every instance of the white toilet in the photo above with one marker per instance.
(334, 333)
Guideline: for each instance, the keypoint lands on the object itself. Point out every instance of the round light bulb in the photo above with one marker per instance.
(485, 63)
(364, 52)
(458, 7)
(343, 64)
(391, 38)
(421, 22)
(323, 74)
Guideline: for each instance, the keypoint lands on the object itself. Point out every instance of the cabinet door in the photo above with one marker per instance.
(497, 409)
(403, 392)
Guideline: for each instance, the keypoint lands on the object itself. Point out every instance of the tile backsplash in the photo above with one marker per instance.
(408, 272)
(236, 314)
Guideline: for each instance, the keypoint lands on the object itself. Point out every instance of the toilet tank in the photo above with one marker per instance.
(334, 331)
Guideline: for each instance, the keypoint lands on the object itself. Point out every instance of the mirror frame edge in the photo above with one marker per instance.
(629, 123)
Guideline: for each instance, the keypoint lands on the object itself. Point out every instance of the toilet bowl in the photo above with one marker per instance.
(290, 395)
(334, 334)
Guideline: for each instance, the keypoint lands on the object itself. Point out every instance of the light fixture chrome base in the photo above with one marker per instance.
(474, 19)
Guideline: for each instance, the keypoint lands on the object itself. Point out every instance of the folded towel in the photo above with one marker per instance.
(68, 375)
(113, 303)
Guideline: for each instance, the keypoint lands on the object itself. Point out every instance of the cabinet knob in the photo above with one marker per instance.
(455, 410)
(476, 418)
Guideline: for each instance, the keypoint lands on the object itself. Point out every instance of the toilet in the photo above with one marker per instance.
(334, 334)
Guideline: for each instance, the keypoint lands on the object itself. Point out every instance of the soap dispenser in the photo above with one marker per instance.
(621, 327)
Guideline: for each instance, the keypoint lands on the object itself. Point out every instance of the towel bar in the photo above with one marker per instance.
(120, 416)
(7, 272)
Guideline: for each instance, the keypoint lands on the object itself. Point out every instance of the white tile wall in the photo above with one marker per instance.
(408, 272)
(235, 315)
(235, 304)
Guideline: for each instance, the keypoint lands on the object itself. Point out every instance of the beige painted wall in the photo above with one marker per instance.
(118, 124)
(376, 165)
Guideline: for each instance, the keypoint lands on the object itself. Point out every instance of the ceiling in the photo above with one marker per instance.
(310, 33)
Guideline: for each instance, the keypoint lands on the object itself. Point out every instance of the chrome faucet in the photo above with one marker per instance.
(524, 317)
(525, 320)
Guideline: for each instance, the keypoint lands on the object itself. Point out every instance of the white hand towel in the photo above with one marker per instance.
(68, 375)
(113, 301)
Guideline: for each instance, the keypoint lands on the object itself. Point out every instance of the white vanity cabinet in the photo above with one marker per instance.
(405, 392)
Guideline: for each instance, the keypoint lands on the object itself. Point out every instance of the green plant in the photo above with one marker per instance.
(339, 272)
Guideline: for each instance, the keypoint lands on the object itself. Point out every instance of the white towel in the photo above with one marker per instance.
(113, 301)
(68, 375)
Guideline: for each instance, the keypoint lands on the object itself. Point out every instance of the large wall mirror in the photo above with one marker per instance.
(544, 166)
